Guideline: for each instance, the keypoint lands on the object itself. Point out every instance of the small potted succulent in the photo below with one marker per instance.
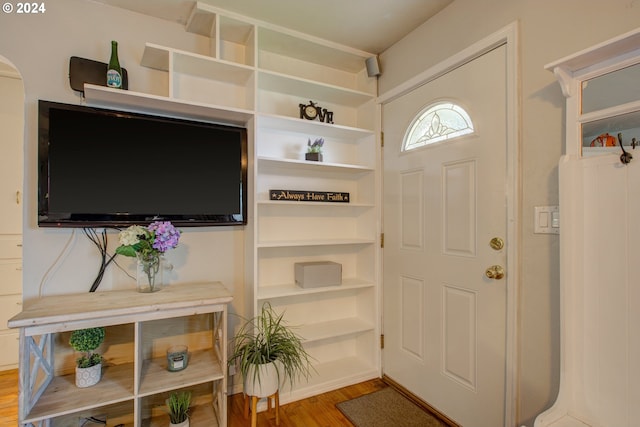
(89, 365)
(314, 150)
(178, 408)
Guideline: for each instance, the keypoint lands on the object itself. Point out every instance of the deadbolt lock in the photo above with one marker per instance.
(496, 243)
(495, 272)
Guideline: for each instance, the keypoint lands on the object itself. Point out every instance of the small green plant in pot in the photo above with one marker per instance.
(178, 408)
(89, 365)
(265, 347)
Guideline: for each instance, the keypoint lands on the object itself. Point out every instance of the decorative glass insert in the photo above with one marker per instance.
(438, 122)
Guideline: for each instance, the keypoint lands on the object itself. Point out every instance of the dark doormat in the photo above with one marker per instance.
(386, 408)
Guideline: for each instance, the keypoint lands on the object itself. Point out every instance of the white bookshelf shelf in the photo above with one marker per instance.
(103, 97)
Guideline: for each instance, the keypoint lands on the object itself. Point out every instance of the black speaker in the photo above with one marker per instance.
(373, 66)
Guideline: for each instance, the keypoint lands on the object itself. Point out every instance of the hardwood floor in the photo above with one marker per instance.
(9, 398)
(316, 411)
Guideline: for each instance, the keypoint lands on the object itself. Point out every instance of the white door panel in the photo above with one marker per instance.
(444, 320)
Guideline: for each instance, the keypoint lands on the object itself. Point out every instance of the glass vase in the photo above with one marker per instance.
(149, 273)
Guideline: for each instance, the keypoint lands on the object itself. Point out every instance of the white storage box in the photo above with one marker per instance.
(317, 274)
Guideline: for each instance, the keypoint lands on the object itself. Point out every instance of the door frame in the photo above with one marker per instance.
(507, 36)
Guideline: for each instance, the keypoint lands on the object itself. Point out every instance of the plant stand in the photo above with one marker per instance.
(254, 404)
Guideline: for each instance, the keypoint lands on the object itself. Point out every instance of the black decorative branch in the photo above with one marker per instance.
(101, 243)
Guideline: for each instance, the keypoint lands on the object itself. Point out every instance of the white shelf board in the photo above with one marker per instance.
(201, 21)
(334, 328)
(211, 68)
(156, 57)
(104, 97)
(308, 49)
(313, 127)
(315, 242)
(195, 64)
(282, 83)
(330, 376)
(291, 289)
(622, 45)
(276, 164)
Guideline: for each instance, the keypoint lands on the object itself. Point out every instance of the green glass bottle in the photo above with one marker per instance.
(114, 72)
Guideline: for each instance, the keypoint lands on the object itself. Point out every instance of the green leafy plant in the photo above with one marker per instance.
(87, 340)
(178, 406)
(316, 146)
(266, 338)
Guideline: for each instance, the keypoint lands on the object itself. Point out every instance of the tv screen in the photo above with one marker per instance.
(104, 168)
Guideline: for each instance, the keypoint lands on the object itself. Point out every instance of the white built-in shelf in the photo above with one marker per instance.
(283, 83)
(309, 49)
(334, 328)
(315, 242)
(267, 164)
(311, 127)
(292, 290)
(160, 58)
(329, 375)
(104, 97)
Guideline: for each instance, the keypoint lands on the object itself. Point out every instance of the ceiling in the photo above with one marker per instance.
(368, 25)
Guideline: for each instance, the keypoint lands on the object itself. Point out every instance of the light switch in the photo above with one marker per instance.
(546, 219)
(543, 219)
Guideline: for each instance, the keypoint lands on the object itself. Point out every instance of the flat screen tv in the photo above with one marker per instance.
(105, 168)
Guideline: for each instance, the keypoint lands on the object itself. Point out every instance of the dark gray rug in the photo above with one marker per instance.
(386, 408)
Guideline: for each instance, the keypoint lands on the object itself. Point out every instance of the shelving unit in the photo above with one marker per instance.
(256, 75)
(135, 381)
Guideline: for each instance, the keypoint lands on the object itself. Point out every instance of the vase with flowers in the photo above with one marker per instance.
(148, 244)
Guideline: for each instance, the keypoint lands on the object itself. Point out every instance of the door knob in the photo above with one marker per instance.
(496, 243)
(495, 272)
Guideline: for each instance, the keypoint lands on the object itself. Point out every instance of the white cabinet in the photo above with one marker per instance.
(600, 207)
(256, 75)
(135, 381)
(10, 297)
(11, 161)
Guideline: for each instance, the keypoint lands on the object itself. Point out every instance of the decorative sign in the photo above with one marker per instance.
(308, 196)
(311, 111)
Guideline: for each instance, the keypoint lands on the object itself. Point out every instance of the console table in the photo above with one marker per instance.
(135, 381)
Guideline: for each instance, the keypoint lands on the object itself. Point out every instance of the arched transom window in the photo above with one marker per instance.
(438, 122)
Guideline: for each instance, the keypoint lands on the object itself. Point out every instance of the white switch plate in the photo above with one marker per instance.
(546, 219)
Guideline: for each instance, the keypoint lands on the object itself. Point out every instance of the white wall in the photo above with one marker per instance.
(59, 261)
(549, 30)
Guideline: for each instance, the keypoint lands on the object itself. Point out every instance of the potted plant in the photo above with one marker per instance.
(268, 354)
(178, 408)
(314, 150)
(89, 365)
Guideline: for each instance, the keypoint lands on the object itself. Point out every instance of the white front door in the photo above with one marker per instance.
(444, 319)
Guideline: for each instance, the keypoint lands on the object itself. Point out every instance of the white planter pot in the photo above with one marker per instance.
(268, 383)
(185, 423)
(86, 377)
